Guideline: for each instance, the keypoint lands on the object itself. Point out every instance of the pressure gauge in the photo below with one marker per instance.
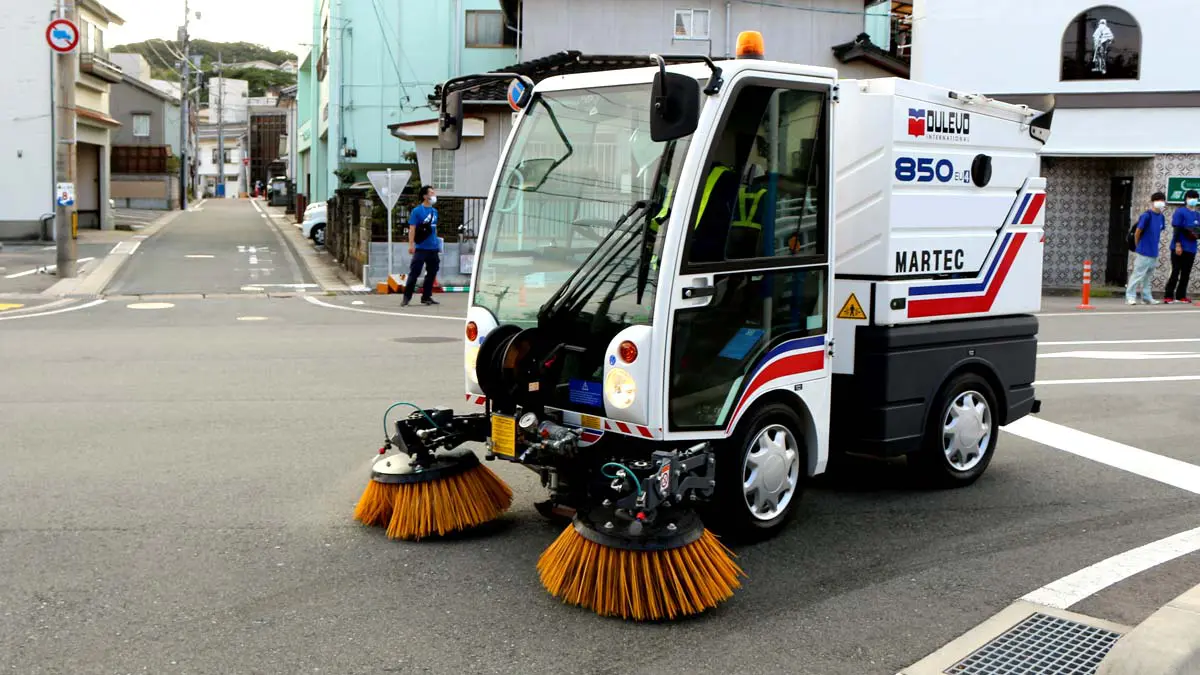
(528, 421)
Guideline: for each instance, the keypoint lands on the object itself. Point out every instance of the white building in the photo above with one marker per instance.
(231, 97)
(28, 114)
(210, 166)
(1127, 120)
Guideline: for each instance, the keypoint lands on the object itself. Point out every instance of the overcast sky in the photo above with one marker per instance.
(278, 24)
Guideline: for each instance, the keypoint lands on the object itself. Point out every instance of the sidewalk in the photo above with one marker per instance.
(325, 271)
(91, 279)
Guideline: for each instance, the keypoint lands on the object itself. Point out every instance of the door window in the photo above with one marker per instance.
(717, 346)
(764, 187)
(760, 228)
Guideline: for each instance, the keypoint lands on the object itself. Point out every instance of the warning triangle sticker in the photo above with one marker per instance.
(852, 310)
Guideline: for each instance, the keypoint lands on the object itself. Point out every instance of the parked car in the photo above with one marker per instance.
(313, 225)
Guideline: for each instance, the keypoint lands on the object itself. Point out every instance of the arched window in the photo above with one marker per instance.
(1103, 43)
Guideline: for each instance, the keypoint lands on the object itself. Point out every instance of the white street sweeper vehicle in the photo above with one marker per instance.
(694, 279)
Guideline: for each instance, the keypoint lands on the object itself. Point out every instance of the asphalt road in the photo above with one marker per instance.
(225, 246)
(178, 485)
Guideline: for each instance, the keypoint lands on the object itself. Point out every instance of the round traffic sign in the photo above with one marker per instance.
(62, 36)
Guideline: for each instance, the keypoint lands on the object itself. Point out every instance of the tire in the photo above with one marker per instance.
(318, 235)
(959, 460)
(750, 514)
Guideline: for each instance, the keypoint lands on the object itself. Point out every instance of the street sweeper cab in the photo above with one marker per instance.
(694, 279)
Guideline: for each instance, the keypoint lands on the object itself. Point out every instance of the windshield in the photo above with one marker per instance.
(573, 227)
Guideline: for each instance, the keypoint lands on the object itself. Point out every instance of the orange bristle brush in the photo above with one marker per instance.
(455, 492)
(671, 569)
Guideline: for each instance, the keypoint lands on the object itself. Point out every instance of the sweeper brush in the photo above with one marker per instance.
(417, 493)
(676, 569)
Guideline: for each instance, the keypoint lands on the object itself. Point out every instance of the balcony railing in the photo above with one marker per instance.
(97, 63)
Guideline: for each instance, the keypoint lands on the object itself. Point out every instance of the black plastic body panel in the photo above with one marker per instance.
(883, 408)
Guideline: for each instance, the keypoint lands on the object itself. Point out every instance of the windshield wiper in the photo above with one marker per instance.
(566, 294)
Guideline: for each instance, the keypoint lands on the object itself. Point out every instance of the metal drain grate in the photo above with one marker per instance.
(1040, 644)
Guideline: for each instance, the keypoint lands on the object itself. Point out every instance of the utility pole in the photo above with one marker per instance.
(66, 65)
(183, 110)
(220, 127)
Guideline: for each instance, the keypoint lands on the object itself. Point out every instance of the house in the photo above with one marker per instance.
(259, 64)
(355, 82)
(814, 32)
(28, 137)
(1126, 122)
(145, 148)
(558, 35)
(288, 66)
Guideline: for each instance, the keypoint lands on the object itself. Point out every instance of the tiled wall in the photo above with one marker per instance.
(1077, 212)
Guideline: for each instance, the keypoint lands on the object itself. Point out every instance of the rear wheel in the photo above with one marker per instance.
(960, 437)
(318, 235)
(760, 475)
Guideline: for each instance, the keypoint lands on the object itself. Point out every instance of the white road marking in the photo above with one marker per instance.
(315, 301)
(252, 250)
(126, 247)
(150, 305)
(253, 288)
(358, 302)
(252, 318)
(1081, 585)
(198, 255)
(1164, 312)
(241, 249)
(1120, 356)
(1088, 581)
(43, 270)
(1121, 380)
(1116, 342)
(1117, 455)
(57, 311)
(253, 260)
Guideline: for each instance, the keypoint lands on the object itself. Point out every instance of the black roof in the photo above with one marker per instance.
(493, 90)
(861, 48)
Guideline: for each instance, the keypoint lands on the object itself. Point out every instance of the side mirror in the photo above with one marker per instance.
(450, 121)
(1039, 128)
(674, 106)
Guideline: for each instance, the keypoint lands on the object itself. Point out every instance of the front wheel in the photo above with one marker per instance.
(318, 235)
(960, 437)
(760, 475)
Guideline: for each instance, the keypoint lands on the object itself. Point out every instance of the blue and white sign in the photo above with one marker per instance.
(516, 94)
(64, 194)
(584, 392)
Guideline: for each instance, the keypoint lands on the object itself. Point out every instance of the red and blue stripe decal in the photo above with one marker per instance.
(978, 297)
(794, 357)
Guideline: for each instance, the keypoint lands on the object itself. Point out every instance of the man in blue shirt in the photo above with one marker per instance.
(1185, 226)
(423, 245)
(1146, 238)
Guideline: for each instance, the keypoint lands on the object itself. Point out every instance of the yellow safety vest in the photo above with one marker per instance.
(747, 219)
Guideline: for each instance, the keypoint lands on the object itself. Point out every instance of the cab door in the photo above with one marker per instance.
(750, 305)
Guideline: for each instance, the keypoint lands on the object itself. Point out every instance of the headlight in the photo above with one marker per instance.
(619, 388)
(469, 358)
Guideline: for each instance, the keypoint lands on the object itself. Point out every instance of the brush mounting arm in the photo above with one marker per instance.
(670, 478)
(423, 433)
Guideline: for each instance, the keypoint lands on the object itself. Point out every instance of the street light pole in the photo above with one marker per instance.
(183, 110)
(65, 67)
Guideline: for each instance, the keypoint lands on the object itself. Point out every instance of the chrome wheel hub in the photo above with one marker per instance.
(967, 431)
(771, 472)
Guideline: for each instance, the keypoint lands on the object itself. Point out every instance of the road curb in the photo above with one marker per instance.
(97, 279)
(328, 275)
(1166, 643)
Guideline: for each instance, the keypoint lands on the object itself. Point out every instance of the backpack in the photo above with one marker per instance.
(1131, 238)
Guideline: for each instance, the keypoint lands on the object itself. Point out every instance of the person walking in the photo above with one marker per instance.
(1185, 225)
(424, 246)
(1146, 237)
